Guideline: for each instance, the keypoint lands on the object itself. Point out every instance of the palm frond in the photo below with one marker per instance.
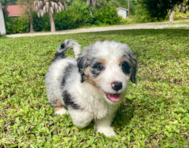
(65, 7)
(44, 9)
(51, 9)
(61, 6)
(49, 6)
(53, 4)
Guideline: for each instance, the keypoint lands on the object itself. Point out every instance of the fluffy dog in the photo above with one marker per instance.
(92, 85)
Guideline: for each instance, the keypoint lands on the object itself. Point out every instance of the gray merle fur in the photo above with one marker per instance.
(67, 73)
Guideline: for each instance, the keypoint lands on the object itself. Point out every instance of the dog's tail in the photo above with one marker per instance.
(64, 46)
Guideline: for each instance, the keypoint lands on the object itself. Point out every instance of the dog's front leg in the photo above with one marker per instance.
(81, 118)
(104, 126)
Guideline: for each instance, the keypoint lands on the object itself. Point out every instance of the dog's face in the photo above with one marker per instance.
(108, 66)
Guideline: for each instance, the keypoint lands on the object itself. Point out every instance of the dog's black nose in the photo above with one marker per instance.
(116, 85)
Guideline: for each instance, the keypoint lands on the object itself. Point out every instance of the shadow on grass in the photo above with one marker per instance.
(124, 114)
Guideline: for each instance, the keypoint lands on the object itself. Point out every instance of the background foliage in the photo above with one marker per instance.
(80, 14)
(42, 23)
(160, 8)
(105, 15)
(142, 14)
(77, 15)
(178, 14)
(16, 25)
(8, 2)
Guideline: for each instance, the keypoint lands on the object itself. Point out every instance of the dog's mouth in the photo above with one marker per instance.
(113, 97)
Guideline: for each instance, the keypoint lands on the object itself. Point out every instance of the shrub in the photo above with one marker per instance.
(77, 15)
(142, 15)
(9, 25)
(16, 25)
(128, 20)
(105, 15)
(42, 23)
(22, 26)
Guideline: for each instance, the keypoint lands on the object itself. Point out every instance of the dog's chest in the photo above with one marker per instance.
(99, 107)
(89, 99)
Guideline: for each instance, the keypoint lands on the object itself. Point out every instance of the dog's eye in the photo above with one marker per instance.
(125, 67)
(99, 66)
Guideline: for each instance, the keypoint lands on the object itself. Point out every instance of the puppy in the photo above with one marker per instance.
(92, 85)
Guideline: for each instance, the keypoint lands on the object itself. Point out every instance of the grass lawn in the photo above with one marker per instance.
(155, 112)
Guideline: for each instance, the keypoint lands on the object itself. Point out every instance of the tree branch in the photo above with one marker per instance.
(184, 17)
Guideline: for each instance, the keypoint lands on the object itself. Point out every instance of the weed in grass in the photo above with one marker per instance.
(155, 112)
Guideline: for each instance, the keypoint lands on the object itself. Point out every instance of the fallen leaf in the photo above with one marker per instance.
(50, 123)
(31, 127)
(149, 84)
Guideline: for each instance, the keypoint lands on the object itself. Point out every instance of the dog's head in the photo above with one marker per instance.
(108, 66)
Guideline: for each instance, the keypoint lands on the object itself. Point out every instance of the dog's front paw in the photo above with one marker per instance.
(61, 111)
(107, 131)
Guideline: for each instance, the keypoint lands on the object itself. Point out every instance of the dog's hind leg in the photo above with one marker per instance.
(58, 107)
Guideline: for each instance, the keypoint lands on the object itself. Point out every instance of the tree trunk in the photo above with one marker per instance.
(93, 3)
(171, 16)
(88, 2)
(128, 6)
(184, 17)
(31, 27)
(53, 29)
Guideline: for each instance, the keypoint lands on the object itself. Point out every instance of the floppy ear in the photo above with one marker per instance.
(133, 61)
(82, 64)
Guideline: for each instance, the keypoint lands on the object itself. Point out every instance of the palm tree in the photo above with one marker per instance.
(49, 6)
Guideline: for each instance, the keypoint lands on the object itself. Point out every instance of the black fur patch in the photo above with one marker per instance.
(68, 100)
(95, 73)
(82, 63)
(96, 69)
(67, 72)
(134, 69)
(125, 67)
(59, 55)
(62, 45)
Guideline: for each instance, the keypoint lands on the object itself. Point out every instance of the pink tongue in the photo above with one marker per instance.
(113, 97)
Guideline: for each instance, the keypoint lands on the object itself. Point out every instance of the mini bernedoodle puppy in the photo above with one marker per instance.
(92, 85)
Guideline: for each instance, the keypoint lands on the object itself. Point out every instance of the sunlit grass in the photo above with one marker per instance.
(155, 112)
